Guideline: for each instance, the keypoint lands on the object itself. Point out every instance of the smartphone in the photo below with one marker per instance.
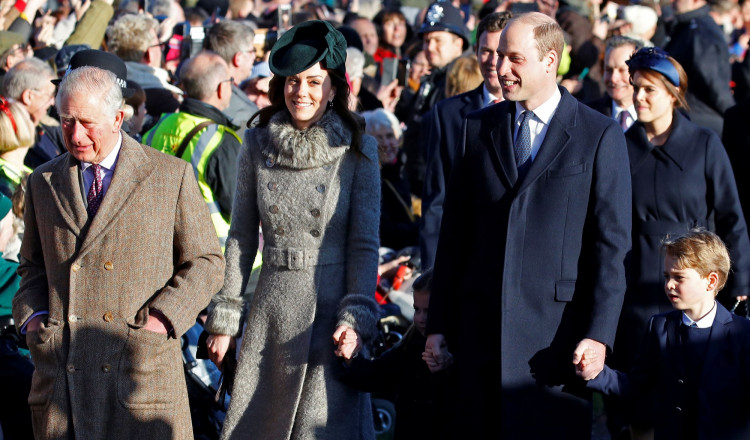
(394, 68)
(285, 18)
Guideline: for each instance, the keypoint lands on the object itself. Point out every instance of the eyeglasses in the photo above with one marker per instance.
(161, 46)
(230, 80)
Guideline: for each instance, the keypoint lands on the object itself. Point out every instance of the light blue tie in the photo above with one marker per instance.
(523, 140)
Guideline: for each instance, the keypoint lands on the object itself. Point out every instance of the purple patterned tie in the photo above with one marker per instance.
(624, 120)
(96, 194)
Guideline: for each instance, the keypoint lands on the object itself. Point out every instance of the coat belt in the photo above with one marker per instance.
(299, 259)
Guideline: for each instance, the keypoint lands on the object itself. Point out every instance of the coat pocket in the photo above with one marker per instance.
(567, 171)
(150, 373)
(564, 290)
(42, 347)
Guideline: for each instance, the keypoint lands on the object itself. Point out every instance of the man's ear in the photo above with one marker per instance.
(551, 61)
(713, 281)
(119, 119)
(26, 97)
(236, 59)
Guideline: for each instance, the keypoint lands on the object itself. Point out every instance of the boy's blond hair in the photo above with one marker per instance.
(702, 251)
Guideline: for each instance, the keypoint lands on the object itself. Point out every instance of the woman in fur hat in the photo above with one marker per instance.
(310, 178)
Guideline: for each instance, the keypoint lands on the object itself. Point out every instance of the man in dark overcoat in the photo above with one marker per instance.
(530, 262)
(118, 258)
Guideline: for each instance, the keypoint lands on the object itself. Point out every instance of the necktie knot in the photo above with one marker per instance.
(96, 193)
(523, 140)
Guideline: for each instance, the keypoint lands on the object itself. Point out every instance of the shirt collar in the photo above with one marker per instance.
(705, 322)
(545, 111)
(111, 159)
(616, 109)
(487, 97)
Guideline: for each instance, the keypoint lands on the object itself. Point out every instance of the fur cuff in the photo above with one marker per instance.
(224, 315)
(361, 313)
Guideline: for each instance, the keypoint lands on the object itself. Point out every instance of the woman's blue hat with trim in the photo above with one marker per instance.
(304, 45)
(653, 58)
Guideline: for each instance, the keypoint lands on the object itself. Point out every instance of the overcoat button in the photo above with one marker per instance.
(269, 162)
(321, 188)
(272, 186)
(315, 233)
(280, 230)
(108, 265)
(315, 212)
(678, 409)
(106, 368)
(72, 318)
(680, 381)
(108, 317)
(327, 166)
(71, 368)
(75, 267)
(273, 209)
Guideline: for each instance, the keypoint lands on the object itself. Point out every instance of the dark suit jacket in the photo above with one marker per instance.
(722, 409)
(443, 146)
(526, 269)
(603, 105)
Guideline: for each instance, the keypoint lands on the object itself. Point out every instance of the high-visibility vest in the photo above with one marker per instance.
(168, 134)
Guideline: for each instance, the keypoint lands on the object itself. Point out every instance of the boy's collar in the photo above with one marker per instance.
(705, 321)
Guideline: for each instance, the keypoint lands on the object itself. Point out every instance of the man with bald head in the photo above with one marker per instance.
(529, 272)
(203, 135)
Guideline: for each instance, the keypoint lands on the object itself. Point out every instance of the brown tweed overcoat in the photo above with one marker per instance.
(151, 245)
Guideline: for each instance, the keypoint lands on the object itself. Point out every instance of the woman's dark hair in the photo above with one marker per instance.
(340, 104)
(424, 282)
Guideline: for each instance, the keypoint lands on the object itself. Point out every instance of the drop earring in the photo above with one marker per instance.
(330, 104)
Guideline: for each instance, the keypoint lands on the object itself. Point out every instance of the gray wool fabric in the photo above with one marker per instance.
(318, 203)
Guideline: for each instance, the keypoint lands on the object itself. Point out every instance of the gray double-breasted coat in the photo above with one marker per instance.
(318, 203)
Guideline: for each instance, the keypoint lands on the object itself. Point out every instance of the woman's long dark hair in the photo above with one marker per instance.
(340, 105)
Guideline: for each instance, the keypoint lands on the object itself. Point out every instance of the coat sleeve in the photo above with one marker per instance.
(199, 264)
(728, 217)
(33, 294)
(433, 192)
(358, 308)
(607, 233)
(93, 25)
(225, 311)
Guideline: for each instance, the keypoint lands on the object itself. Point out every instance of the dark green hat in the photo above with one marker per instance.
(9, 39)
(306, 44)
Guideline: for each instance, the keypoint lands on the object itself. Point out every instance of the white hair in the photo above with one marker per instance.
(355, 62)
(92, 81)
(641, 18)
(380, 118)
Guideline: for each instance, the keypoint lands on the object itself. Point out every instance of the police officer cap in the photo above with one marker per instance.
(443, 16)
(304, 45)
(105, 61)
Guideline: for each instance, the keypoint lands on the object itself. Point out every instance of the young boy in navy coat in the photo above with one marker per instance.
(695, 360)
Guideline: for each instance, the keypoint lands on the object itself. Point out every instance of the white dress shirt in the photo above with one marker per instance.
(539, 124)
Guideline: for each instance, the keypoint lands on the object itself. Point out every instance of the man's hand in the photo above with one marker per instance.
(157, 323)
(348, 343)
(217, 348)
(588, 358)
(35, 323)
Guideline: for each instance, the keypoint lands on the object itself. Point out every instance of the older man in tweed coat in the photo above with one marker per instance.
(106, 293)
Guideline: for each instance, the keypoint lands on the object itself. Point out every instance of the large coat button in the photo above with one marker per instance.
(321, 188)
(72, 318)
(280, 230)
(272, 186)
(106, 368)
(269, 162)
(108, 317)
(71, 368)
(315, 233)
(315, 212)
(273, 209)
(108, 265)
(75, 267)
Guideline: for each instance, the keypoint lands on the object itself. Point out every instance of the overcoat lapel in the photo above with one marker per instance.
(502, 146)
(555, 141)
(64, 181)
(133, 167)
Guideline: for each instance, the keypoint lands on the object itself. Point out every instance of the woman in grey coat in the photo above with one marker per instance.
(310, 178)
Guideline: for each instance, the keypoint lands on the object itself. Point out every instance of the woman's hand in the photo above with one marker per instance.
(217, 348)
(348, 343)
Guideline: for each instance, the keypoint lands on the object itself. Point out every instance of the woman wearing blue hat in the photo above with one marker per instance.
(310, 179)
(681, 178)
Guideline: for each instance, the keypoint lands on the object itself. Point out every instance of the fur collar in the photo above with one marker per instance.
(320, 144)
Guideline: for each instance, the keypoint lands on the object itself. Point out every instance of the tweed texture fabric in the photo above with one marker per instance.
(99, 375)
(318, 203)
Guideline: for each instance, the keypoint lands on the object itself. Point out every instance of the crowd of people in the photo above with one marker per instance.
(553, 168)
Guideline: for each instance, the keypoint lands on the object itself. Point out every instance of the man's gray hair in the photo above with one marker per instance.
(26, 75)
(621, 40)
(202, 74)
(229, 37)
(92, 81)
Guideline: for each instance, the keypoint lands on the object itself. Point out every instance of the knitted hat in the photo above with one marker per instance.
(443, 16)
(304, 45)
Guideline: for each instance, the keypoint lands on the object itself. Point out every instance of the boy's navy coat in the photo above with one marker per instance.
(723, 410)
(527, 268)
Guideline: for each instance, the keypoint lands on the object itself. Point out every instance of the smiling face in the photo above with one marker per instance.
(89, 133)
(394, 32)
(487, 55)
(687, 290)
(307, 94)
(524, 77)
(653, 102)
(616, 76)
(441, 47)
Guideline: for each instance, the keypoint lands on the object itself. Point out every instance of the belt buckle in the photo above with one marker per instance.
(296, 259)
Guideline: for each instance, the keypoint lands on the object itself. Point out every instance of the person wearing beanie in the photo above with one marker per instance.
(444, 39)
(308, 176)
